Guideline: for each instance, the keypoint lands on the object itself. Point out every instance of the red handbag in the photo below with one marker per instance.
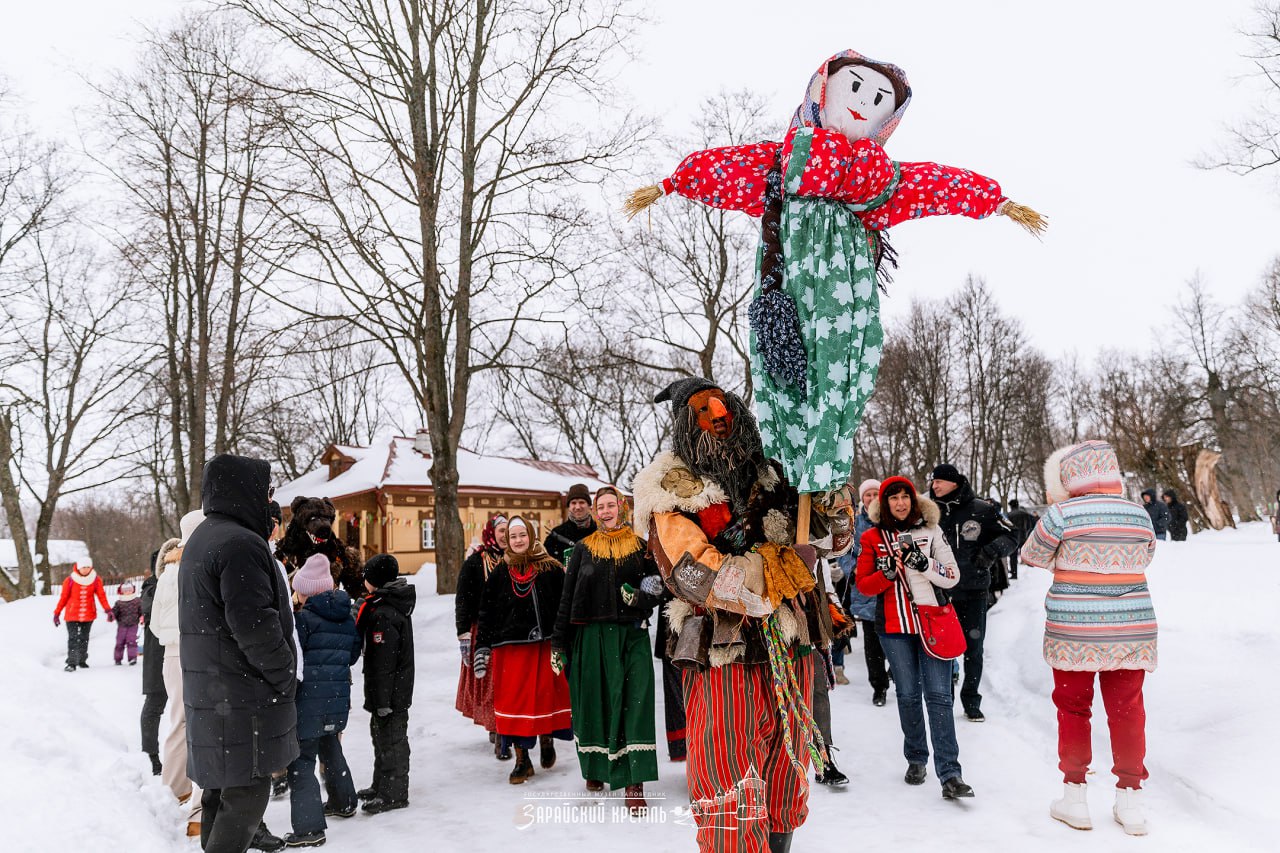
(940, 631)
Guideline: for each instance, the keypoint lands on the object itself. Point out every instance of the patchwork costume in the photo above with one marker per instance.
(826, 198)
(749, 609)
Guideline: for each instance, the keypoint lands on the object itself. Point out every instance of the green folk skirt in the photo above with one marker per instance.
(612, 694)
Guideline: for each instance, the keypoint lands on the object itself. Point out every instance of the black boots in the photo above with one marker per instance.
(155, 763)
(831, 775)
(955, 789)
(523, 769)
(547, 753)
(779, 842)
(264, 840)
(915, 774)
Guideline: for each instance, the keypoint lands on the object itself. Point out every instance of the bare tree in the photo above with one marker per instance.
(442, 184)
(1254, 143)
(67, 389)
(190, 140)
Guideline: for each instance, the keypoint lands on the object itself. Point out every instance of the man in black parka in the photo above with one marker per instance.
(978, 537)
(238, 659)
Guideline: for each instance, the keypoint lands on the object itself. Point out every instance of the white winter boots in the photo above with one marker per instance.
(1128, 811)
(1073, 808)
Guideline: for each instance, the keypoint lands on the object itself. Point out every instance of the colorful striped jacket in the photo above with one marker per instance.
(1098, 545)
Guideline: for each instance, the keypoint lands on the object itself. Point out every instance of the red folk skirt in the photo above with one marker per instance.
(475, 695)
(528, 698)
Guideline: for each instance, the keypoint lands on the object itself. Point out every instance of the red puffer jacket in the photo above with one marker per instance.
(78, 593)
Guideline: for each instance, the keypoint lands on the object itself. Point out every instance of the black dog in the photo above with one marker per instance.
(310, 531)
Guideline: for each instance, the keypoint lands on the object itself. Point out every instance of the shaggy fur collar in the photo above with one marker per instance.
(170, 554)
(1054, 491)
(613, 544)
(928, 509)
(84, 580)
(667, 485)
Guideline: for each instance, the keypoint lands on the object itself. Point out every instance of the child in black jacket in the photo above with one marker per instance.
(387, 632)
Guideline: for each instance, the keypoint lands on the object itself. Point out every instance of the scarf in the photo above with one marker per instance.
(522, 567)
(616, 544)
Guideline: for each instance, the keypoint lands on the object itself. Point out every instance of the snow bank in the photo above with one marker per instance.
(73, 779)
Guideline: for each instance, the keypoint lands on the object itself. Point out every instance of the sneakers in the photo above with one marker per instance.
(975, 716)
(1128, 811)
(331, 810)
(305, 839)
(547, 753)
(916, 774)
(955, 789)
(840, 676)
(264, 840)
(1073, 808)
(879, 697)
(378, 805)
(523, 769)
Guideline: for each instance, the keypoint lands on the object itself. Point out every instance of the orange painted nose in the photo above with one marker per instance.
(716, 408)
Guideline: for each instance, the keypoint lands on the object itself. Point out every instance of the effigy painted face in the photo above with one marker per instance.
(859, 99)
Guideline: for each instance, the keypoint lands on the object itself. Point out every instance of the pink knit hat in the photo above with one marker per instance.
(314, 577)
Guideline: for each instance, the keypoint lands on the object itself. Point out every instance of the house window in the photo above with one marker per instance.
(428, 534)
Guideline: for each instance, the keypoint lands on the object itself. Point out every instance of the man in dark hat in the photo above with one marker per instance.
(749, 607)
(578, 526)
(979, 537)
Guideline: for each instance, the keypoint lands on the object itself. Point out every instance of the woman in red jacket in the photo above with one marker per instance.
(79, 591)
(906, 547)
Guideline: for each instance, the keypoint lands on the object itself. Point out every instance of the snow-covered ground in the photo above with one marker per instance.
(72, 778)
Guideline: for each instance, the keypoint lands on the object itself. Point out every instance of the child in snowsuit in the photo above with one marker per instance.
(329, 646)
(80, 591)
(387, 632)
(128, 613)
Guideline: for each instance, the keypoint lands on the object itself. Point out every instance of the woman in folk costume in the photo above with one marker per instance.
(748, 615)
(602, 632)
(475, 695)
(1098, 622)
(902, 573)
(517, 616)
(826, 194)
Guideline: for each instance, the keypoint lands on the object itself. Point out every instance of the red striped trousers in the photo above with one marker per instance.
(734, 732)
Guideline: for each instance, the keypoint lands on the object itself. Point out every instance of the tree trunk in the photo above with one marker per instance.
(1216, 511)
(450, 542)
(12, 502)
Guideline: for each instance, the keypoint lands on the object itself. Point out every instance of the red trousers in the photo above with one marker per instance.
(741, 781)
(1127, 719)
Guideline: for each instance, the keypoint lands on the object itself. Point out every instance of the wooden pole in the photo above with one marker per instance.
(802, 520)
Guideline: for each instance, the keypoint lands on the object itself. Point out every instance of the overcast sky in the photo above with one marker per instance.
(1091, 112)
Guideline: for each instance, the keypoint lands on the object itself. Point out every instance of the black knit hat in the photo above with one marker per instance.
(381, 570)
(681, 390)
(947, 472)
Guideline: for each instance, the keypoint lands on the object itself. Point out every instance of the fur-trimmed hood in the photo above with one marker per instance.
(169, 554)
(1090, 467)
(667, 485)
(928, 510)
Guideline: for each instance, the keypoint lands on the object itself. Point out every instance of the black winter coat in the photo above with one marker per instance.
(387, 632)
(1177, 518)
(466, 602)
(977, 534)
(128, 613)
(510, 618)
(1157, 510)
(152, 651)
(237, 648)
(593, 592)
(330, 647)
(565, 535)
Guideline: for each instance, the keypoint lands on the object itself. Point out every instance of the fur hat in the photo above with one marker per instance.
(315, 576)
(578, 491)
(189, 523)
(381, 570)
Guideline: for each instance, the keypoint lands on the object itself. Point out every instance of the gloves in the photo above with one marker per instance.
(885, 566)
(111, 617)
(481, 664)
(652, 585)
(914, 558)
(464, 646)
(985, 558)
(557, 661)
(384, 712)
(57, 621)
(628, 598)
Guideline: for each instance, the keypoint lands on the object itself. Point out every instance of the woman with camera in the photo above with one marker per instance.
(906, 563)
